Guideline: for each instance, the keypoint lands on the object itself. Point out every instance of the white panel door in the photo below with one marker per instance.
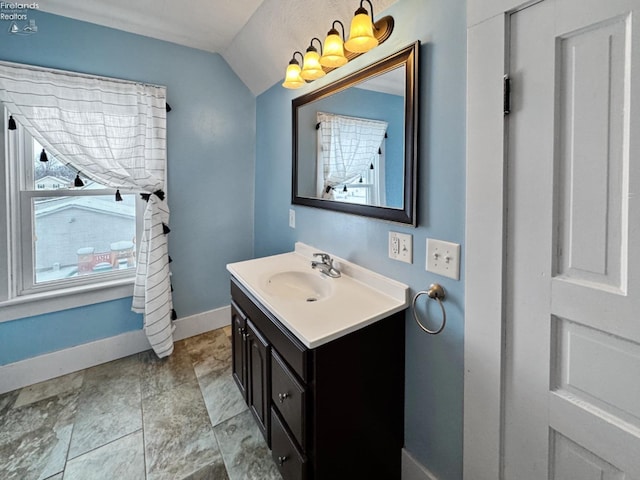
(572, 316)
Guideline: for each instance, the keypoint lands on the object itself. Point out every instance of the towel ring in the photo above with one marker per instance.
(436, 292)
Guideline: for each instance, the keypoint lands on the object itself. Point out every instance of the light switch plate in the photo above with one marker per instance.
(292, 218)
(443, 258)
(401, 247)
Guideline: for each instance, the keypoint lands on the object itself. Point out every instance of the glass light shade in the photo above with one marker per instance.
(333, 49)
(311, 69)
(361, 37)
(292, 78)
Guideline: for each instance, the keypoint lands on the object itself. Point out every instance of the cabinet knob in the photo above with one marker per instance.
(283, 396)
(240, 330)
(282, 459)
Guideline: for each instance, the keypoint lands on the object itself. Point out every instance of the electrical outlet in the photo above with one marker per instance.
(292, 218)
(443, 258)
(401, 247)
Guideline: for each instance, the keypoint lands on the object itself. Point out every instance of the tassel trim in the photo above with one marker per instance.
(12, 123)
(118, 196)
(157, 193)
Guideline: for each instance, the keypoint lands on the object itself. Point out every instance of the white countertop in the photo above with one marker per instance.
(358, 298)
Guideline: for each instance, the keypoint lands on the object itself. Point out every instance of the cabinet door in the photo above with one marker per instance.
(258, 361)
(238, 335)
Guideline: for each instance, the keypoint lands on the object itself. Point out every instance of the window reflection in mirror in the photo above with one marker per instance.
(353, 158)
(350, 170)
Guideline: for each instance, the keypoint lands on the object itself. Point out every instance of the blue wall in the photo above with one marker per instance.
(434, 368)
(211, 139)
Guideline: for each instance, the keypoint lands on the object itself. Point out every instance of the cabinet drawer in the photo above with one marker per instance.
(291, 463)
(289, 398)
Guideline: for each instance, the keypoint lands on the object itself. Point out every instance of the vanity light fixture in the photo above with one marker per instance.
(336, 52)
(311, 67)
(333, 55)
(292, 78)
(361, 38)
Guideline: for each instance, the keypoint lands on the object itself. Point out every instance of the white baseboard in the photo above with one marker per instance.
(51, 365)
(414, 470)
(202, 322)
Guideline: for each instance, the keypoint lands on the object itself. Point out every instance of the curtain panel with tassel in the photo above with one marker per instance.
(114, 132)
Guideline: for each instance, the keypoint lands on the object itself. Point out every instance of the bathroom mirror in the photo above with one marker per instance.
(355, 141)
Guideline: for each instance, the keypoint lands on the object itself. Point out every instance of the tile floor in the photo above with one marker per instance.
(138, 418)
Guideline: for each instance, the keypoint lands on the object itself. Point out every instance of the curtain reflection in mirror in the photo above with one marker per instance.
(350, 158)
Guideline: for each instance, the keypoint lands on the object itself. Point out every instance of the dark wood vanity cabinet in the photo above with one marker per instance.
(329, 413)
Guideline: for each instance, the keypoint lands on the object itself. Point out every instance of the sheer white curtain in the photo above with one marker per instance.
(348, 147)
(114, 132)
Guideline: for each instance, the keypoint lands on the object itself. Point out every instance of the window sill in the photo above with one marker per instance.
(63, 299)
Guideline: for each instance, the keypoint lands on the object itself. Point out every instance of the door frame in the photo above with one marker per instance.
(485, 227)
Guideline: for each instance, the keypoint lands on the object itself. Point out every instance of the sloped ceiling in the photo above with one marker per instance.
(256, 37)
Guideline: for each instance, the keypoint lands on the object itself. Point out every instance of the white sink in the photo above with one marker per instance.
(314, 307)
(299, 286)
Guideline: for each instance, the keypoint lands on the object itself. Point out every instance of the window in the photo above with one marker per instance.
(61, 235)
(112, 130)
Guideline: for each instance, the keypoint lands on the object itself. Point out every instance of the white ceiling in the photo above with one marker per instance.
(256, 37)
(391, 82)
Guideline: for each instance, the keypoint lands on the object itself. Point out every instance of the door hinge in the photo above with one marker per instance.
(506, 95)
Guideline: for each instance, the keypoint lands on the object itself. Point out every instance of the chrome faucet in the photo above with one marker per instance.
(325, 265)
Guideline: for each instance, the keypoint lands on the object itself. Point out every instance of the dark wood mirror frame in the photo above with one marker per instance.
(409, 58)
